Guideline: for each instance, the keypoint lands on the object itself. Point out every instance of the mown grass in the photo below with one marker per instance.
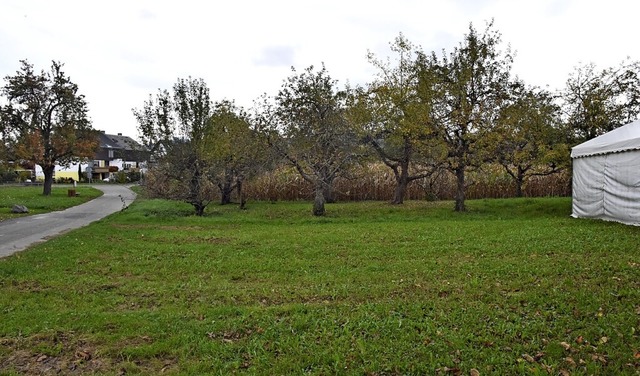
(32, 198)
(513, 286)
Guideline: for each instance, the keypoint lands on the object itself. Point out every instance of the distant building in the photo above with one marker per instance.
(117, 153)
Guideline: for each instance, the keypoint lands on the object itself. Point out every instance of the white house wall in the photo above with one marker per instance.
(62, 171)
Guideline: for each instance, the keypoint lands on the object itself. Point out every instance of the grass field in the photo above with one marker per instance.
(512, 287)
(33, 199)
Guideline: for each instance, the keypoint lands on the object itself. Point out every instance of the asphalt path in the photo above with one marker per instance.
(19, 233)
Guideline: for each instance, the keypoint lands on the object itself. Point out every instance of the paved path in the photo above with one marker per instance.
(19, 233)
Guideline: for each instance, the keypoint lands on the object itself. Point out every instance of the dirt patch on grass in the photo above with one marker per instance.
(65, 354)
(51, 354)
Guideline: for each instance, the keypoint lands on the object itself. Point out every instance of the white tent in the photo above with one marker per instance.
(606, 176)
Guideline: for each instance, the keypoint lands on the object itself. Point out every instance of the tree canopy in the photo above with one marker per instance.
(395, 120)
(528, 140)
(306, 125)
(471, 85)
(177, 129)
(422, 115)
(46, 119)
(597, 101)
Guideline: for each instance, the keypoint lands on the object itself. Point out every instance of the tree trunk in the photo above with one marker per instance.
(48, 179)
(227, 187)
(328, 192)
(399, 192)
(402, 182)
(194, 197)
(243, 199)
(519, 183)
(460, 189)
(199, 208)
(318, 202)
(225, 192)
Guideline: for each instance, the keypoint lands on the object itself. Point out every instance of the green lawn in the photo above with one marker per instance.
(512, 287)
(32, 198)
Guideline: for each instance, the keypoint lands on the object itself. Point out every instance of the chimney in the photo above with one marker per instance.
(103, 132)
(119, 134)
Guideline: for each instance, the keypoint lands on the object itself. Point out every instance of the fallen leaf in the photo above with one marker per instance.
(83, 355)
(579, 340)
(528, 358)
(565, 345)
(599, 358)
(454, 370)
(637, 355)
(604, 340)
(569, 360)
(41, 358)
(474, 372)
(564, 372)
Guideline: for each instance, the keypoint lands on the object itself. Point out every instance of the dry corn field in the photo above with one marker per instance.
(378, 183)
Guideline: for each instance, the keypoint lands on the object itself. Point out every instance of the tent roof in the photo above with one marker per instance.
(620, 139)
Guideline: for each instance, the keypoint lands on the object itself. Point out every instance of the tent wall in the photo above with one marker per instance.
(607, 187)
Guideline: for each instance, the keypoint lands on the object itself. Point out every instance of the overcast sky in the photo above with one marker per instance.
(118, 52)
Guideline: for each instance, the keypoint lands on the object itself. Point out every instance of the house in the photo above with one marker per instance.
(117, 153)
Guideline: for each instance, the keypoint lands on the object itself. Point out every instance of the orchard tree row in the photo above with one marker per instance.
(421, 114)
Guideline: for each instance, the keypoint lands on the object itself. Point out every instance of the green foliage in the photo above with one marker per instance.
(235, 149)
(508, 287)
(468, 89)
(177, 130)
(46, 119)
(528, 138)
(395, 120)
(596, 102)
(8, 174)
(307, 127)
